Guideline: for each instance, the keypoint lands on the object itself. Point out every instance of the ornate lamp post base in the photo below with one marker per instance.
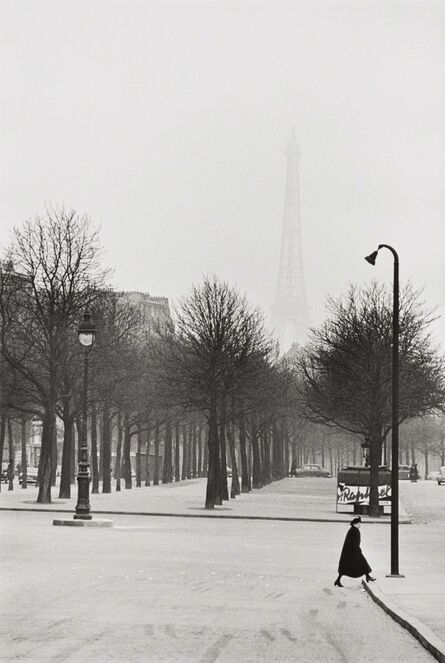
(83, 501)
(83, 490)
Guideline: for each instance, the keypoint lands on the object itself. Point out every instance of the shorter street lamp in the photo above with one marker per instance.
(395, 412)
(86, 333)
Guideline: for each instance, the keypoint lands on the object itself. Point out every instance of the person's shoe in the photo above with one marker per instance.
(337, 583)
(369, 579)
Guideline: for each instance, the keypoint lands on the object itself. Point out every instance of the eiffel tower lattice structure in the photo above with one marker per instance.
(290, 313)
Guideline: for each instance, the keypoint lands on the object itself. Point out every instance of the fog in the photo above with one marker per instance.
(168, 122)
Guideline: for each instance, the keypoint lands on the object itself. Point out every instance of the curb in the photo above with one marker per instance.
(429, 640)
(205, 515)
(94, 522)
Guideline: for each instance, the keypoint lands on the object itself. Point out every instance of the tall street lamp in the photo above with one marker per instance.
(395, 413)
(86, 333)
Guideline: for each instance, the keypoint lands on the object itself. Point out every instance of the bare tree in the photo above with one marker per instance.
(425, 435)
(217, 346)
(57, 259)
(346, 368)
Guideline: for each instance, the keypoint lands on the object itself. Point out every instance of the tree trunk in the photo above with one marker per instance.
(426, 455)
(375, 456)
(177, 439)
(24, 460)
(286, 451)
(44, 474)
(205, 453)
(74, 444)
(118, 464)
(105, 434)
(138, 459)
(65, 475)
(94, 462)
(245, 475)
(413, 453)
(262, 449)
(11, 463)
(167, 464)
(54, 455)
(199, 435)
(126, 452)
(101, 447)
(2, 440)
(147, 457)
(156, 467)
(256, 459)
(213, 496)
(193, 454)
(224, 491)
(189, 451)
(277, 448)
(235, 487)
(184, 453)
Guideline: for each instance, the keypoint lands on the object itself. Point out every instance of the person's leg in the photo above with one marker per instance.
(337, 583)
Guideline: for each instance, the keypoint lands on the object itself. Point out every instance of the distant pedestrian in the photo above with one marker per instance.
(413, 473)
(352, 561)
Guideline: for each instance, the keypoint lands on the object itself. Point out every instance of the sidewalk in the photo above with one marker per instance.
(289, 499)
(416, 601)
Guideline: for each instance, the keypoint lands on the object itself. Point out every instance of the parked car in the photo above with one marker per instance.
(311, 470)
(404, 471)
(4, 475)
(31, 476)
(229, 471)
(441, 477)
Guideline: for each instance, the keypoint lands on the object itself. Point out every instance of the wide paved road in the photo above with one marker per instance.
(190, 590)
(424, 501)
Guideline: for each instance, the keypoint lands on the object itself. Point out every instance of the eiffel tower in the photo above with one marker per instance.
(290, 313)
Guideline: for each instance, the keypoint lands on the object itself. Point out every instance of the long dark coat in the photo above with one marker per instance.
(352, 561)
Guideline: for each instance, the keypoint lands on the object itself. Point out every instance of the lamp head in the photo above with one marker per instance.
(372, 257)
(87, 330)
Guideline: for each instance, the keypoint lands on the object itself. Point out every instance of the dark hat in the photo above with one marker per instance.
(354, 521)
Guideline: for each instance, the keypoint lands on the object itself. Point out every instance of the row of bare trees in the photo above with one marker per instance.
(213, 369)
(423, 438)
(215, 366)
(50, 274)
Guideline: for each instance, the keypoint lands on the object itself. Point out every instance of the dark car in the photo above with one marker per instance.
(31, 476)
(404, 472)
(311, 470)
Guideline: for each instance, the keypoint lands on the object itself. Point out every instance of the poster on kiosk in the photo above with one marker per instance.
(353, 485)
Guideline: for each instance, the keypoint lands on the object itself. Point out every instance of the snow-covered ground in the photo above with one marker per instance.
(204, 590)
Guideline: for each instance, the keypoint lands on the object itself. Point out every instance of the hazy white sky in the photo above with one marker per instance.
(167, 122)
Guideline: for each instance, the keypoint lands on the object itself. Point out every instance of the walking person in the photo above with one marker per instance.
(352, 561)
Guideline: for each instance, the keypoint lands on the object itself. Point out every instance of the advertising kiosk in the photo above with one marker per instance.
(353, 485)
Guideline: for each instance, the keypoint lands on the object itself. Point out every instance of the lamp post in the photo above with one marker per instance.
(86, 333)
(395, 413)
